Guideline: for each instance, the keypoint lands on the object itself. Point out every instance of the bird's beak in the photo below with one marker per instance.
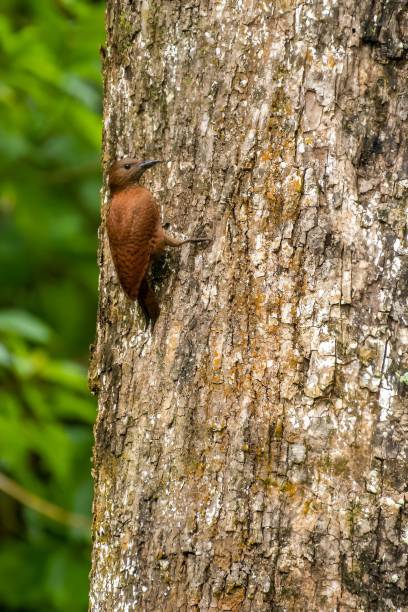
(148, 164)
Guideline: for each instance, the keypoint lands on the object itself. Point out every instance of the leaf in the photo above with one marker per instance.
(5, 357)
(50, 105)
(25, 325)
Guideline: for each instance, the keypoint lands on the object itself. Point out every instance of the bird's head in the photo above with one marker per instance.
(125, 172)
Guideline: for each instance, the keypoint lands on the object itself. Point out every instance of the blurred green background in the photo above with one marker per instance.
(50, 129)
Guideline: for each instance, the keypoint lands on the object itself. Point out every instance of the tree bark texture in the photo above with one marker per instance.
(251, 452)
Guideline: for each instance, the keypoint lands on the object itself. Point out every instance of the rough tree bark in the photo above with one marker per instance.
(251, 452)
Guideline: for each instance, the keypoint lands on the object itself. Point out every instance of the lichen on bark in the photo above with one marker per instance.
(250, 453)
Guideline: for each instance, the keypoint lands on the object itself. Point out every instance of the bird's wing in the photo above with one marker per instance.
(132, 225)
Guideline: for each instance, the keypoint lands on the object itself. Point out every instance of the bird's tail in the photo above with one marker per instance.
(148, 302)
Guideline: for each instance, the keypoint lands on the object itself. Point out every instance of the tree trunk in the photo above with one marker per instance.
(251, 451)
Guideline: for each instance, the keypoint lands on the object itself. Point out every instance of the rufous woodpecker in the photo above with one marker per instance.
(135, 231)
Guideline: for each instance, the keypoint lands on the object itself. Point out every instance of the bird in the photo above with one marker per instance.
(135, 232)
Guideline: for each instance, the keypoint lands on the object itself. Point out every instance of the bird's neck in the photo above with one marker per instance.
(130, 187)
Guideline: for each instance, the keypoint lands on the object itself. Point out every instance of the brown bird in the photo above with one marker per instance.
(135, 231)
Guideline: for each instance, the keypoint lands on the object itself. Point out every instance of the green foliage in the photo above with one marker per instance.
(50, 105)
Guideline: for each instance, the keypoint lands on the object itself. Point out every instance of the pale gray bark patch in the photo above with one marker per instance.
(251, 453)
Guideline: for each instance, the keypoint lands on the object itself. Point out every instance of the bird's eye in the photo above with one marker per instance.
(127, 166)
